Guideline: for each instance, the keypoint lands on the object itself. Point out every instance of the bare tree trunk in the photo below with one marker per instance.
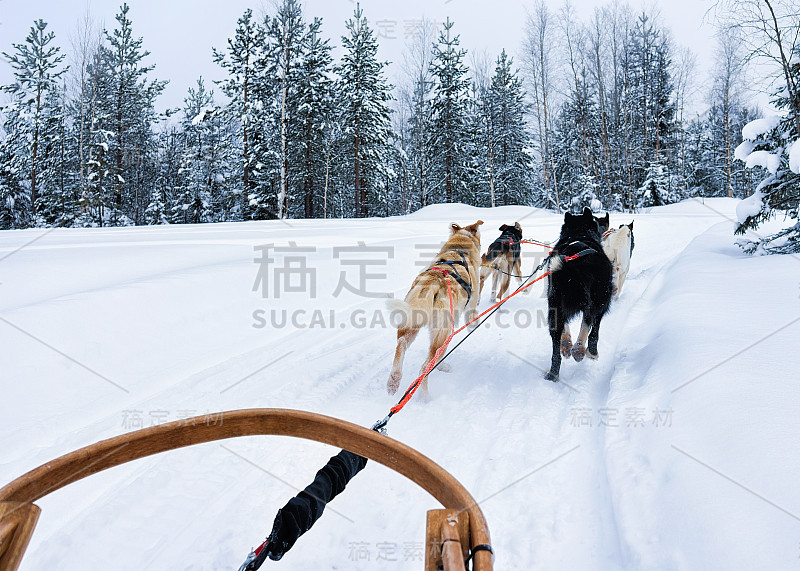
(283, 194)
(82, 48)
(357, 173)
(327, 173)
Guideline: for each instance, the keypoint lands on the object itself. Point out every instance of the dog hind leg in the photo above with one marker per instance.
(620, 280)
(566, 342)
(484, 272)
(504, 281)
(556, 322)
(405, 337)
(495, 280)
(438, 337)
(579, 350)
(594, 336)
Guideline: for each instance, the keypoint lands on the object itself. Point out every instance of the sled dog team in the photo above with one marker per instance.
(588, 266)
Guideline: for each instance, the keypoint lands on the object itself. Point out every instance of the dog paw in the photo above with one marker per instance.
(591, 355)
(566, 348)
(394, 382)
(549, 376)
(444, 367)
(578, 352)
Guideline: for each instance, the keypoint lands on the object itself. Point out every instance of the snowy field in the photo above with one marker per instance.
(677, 449)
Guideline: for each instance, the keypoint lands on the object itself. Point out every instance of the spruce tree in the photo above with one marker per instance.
(286, 36)
(510, 162)
(450, 110)
(314, 104)
(127, 108)
(244, 62)
(59, 195)
(773, 144)
(36, 72)
(364, 117)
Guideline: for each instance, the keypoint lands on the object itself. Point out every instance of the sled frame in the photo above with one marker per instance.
(18, 513)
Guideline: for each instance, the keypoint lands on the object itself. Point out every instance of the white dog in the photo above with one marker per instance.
(618, 246)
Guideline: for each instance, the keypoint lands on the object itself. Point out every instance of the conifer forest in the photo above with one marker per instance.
(588, 111)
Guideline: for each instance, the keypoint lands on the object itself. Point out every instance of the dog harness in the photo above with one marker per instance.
(454, 274)
(507, 239)
(584, 252)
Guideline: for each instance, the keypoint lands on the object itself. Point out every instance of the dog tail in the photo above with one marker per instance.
(405, 316)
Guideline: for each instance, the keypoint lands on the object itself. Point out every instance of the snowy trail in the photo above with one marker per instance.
(575, 474)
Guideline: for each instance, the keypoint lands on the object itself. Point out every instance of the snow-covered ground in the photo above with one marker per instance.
(677, 449)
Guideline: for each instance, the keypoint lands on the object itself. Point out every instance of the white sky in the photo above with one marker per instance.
(181, 33)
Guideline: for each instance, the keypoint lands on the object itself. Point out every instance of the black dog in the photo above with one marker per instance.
(502, 258)
(578, 285)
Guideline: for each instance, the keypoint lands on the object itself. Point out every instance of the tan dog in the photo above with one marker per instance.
(618, 246)
(427, 302)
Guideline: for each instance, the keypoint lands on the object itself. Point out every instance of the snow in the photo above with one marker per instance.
(744, 149)
(750, 206)
(199, 117)
(794, 157)
(677, 449)
(756, 128)
(765, 159)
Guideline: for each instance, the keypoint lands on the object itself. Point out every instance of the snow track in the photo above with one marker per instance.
(616, 467)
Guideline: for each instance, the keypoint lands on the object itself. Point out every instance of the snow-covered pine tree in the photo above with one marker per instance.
(363, 97)
(773, 143)
(200, 161)
(450, 110)
(15, 209)
(285, 35)
(244, 63)
(36, 66)
(313, 102)
(59, 194)
(88, 121)
(652, 120)
(585, 193)
(576, 143)
(127, 106)
(659, 187)
(509, 139)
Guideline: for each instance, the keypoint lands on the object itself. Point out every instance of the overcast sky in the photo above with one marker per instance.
(180, 33)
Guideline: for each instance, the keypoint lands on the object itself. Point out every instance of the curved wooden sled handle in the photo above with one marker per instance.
(94, 458)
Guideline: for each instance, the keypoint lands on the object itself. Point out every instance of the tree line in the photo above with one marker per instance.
(595, 112)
